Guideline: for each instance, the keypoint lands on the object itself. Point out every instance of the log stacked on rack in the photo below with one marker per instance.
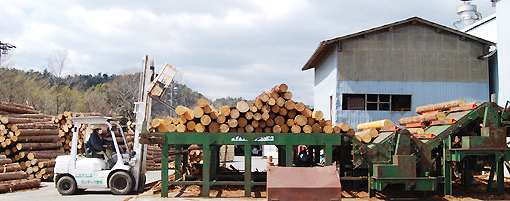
(154, 157)
(427, 114)
(13, 178)
(370, 130)
(65, 126)
(271, 112)
(29, 138)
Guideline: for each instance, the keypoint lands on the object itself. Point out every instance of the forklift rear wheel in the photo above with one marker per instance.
(121, 183)
(66, 185)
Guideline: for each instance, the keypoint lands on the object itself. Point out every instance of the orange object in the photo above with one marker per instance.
(463, 108)
(425, 136)
(415, 125)
(443, 122)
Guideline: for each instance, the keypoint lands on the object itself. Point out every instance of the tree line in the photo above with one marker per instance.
(110, 95)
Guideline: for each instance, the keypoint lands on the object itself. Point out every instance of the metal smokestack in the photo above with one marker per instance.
(468, 15)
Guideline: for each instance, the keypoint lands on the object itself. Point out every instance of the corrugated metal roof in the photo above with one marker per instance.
(327, 44)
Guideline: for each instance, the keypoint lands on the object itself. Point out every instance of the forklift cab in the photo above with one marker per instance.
(87, 169)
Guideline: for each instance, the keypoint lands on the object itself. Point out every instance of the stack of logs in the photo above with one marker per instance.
(428, 113)
(30, 139)
(13, 178)
(272, 112)
(65, 126)
(370, 130)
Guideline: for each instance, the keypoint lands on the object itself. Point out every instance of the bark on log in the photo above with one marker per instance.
(31, 132)
(12, 167)
(376, 124)
(39, 125)
(422, 118)
(38, 146)
(41, 138)
(416, 130)
(19, 185)
(17, 109)
(46, 154)
(48, 163)
(440, 106)
(12, 175)
(14, 120)
(4, 161)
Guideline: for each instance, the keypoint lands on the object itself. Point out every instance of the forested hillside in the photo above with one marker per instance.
(111, 95)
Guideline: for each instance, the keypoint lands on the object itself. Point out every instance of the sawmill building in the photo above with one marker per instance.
(387, 71)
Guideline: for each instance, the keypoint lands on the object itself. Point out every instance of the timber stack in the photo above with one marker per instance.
(270, 112)
(13, 178)
(65, 126)
(29, 138)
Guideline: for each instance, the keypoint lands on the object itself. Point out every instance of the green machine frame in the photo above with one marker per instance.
(210, 143)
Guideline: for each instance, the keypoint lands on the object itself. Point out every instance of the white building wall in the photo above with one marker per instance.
(423, 93)
(503, 12)
(325, 83)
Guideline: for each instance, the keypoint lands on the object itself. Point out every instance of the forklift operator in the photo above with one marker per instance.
(97, 141)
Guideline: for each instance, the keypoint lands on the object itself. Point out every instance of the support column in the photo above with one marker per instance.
(328, 149)
(491, 176)
(247, 170)
(447, 167)
(289, 151)
(500, 182)
(206, 180)
(178, 173)
(164, 170)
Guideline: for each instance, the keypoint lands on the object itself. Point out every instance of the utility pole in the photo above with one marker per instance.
(4, 49)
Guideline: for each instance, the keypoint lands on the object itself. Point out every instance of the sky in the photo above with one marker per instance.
(220, 48)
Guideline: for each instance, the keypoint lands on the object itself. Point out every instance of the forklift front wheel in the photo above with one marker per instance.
(121, 183)
(66, 185)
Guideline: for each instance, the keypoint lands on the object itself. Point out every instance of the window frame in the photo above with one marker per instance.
(369, 104)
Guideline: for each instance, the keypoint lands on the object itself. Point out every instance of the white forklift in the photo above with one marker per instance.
(124, 171)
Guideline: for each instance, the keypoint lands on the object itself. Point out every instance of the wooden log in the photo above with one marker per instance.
(300, 107)
(285, 128)
(316, 128)
(291, 114)
(188, 115)
(249, 128)
(31, 132)
(281, 88)
(4, 161)
(234, 113)
(440, 106)
(287, 95)
(422, 118)
(283, 111)
(48, 163)
(46, 154)
(295, 129)
(365, 135)
(205, 120)
(275, 109)
(279, 120)
(270, 123)
(242, 106)
(12, 167)
(375, 124)
(198, 112)
(46, 170)
(213, 127)
(38, 146)
(14, 120)
(318, 115)
(180, 110)
(248, 115)
(224, 128)
(280, 101)
(190, 125)
(328, 129)
(37, 125)
(202, 102)
(12, 175)
(416, 130)
(264, 97)
(221, 118)
(242, 122)
(16, 185)
(307, 129)
(343, 126)
(17, 109)
(271, 101)
(290, 105)
(225, 110)
(350, 132)
(307, 112)
(255, 123)
(265, 116)
(300, 120)
(232, 123)
(277, 129)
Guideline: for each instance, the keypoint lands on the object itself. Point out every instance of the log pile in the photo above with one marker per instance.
(271, 112)
(428, 113)
(370, 130)
(13, 178)
(65, 126)
(29, 138)
(154, 157)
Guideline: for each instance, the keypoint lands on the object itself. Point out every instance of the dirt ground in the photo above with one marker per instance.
(477, 192)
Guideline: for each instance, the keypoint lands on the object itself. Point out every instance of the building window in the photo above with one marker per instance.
(376, 102)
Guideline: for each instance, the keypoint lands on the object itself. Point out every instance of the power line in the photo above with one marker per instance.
(4, 49)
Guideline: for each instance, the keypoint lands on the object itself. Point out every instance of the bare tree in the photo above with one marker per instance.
(56, 65)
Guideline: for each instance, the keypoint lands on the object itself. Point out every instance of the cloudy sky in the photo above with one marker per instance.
(221, 48)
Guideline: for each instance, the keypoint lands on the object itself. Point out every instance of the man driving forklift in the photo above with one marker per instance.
(96, 142)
